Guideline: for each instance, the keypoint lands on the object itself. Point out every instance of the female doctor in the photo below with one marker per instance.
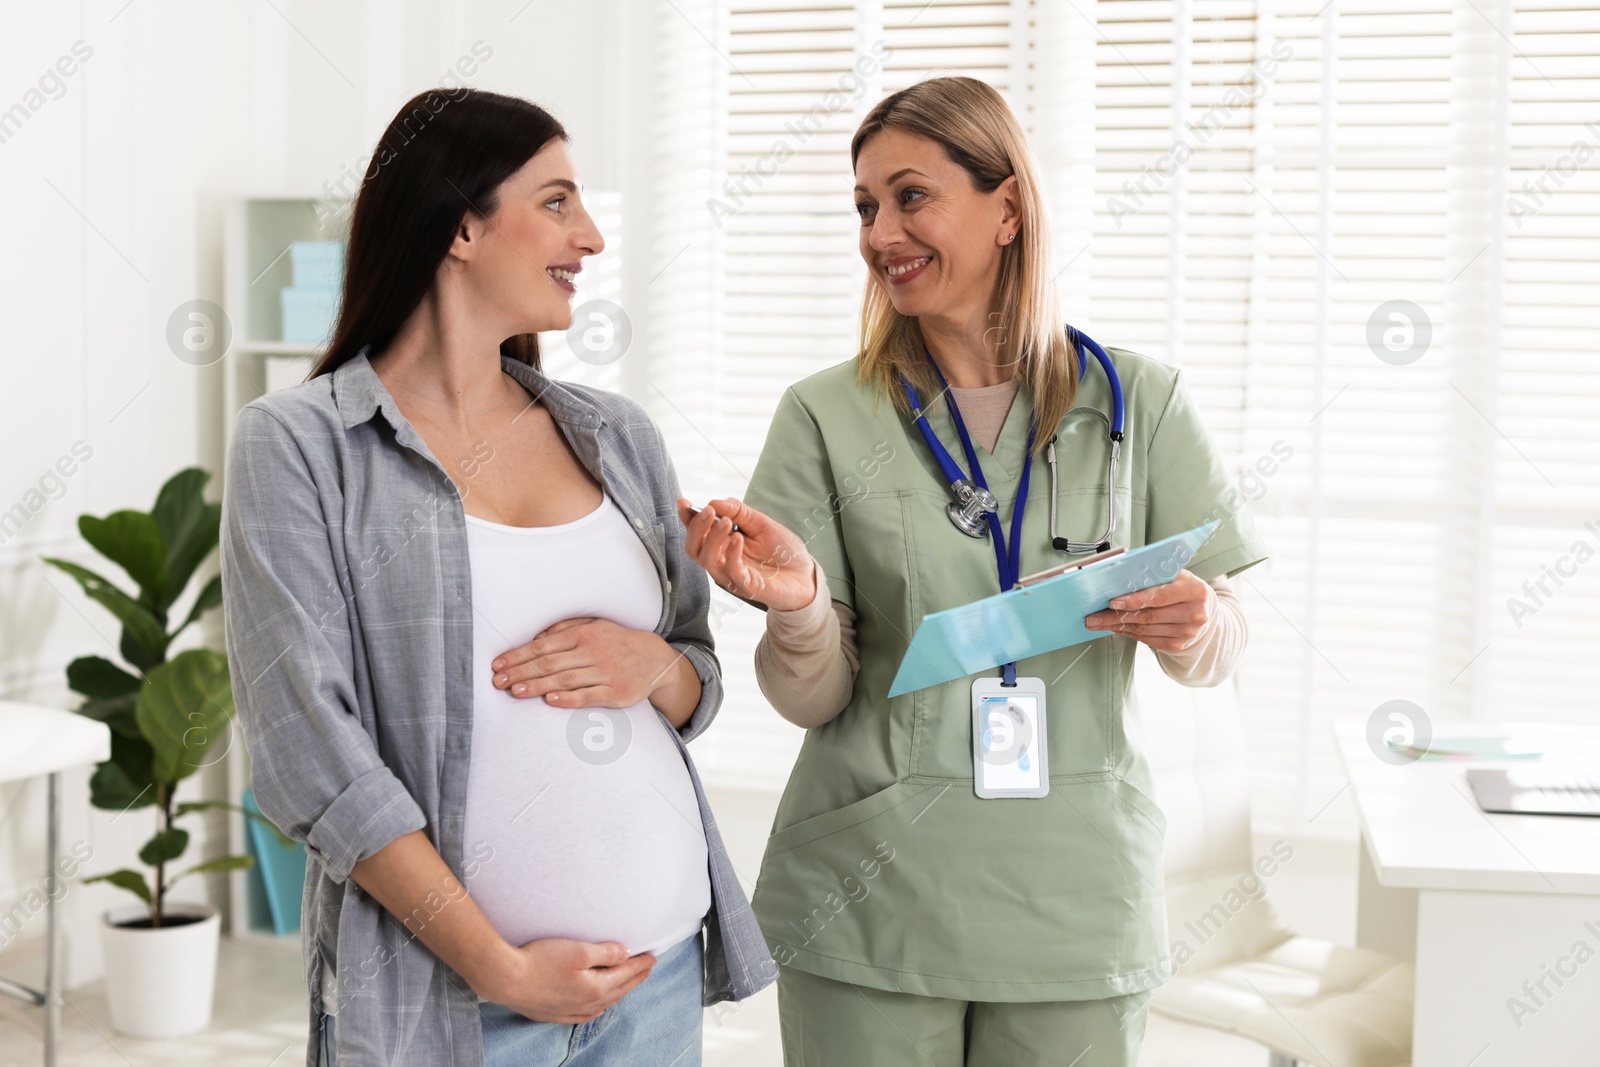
(915, 921)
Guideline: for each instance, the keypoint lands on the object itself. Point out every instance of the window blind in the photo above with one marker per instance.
(1542, 530)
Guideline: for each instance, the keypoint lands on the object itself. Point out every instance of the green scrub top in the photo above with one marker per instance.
(884, 868)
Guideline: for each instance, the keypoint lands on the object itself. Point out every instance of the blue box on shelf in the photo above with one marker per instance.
(317, 264)
(280, 872)
(309, 313)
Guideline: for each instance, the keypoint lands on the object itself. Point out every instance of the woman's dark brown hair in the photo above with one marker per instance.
(444, 155)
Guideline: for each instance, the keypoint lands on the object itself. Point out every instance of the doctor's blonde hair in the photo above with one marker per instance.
(979, 133)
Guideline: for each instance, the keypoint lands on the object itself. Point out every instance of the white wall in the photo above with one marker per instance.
(114, 192)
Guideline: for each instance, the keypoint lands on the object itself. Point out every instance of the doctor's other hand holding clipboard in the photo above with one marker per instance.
(1168, 617)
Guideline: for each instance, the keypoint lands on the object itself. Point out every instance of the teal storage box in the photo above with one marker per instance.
(309, 313)
(317, 264)
(282, 871)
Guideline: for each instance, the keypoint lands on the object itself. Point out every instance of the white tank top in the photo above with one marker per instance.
(580, 823)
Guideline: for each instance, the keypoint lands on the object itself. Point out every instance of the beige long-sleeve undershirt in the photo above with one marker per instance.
(806, 661)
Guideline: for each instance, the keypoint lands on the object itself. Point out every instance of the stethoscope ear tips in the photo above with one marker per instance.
(1061, 544)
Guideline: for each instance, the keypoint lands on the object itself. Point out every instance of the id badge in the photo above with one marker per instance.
(1009, 754)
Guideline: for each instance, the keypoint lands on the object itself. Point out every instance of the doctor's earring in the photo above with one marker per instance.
(1010, 238)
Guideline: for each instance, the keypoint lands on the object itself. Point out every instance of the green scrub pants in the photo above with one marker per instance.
(826, 1023)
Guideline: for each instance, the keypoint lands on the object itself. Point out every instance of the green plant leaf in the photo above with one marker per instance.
(111, 690)
(137, 653)
(111, 789)
(178, 503)
(133, 541)
(202, 805)
(98, 678)
(210, 597)
(182, 561)
(226, 863)
(164, 847)
(115, 712)
(132, 881)
(123, 782)
(189, 525)
(140, 628)
(183, 709)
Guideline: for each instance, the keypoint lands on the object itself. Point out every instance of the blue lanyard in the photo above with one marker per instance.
(1008, 562)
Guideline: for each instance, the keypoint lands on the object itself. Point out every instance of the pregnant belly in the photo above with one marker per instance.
(583, 824)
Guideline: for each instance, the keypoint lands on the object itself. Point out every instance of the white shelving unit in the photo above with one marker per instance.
(257, 234)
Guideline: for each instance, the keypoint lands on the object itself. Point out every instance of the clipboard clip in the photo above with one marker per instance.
(1067, 568)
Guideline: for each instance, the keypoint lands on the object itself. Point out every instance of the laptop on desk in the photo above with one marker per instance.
(1537, 790)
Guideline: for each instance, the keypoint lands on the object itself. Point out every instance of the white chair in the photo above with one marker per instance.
(37, 740)
(1238, 968)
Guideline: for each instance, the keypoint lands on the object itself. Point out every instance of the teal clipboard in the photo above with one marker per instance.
(1038, 618)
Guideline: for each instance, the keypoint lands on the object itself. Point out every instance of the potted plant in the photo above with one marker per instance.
(165, 717)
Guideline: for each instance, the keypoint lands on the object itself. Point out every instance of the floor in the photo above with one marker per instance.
(259, 1016)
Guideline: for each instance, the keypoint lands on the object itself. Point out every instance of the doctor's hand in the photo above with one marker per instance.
(1168, 617)
(764, 561)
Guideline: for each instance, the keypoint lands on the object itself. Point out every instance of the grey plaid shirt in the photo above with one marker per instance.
(347, 605)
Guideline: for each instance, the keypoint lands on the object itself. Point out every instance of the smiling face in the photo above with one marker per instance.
(517, 267)
(930, 238)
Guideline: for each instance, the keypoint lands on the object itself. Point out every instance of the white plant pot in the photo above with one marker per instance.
(160, 980)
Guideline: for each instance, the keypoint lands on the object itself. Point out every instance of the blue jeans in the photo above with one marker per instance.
(656, 1025)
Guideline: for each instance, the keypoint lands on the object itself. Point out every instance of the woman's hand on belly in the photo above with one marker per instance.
(555, 980)
(596, 663)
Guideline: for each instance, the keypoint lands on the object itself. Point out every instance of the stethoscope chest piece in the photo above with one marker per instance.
(971, 507)
(974, 504)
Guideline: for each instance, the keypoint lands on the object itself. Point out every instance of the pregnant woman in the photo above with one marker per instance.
(915, 921)
(468, 646)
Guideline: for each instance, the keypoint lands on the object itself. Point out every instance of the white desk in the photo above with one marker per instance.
(1483, 904)
(36, 741)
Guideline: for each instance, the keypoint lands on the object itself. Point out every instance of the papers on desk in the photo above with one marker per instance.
(1037, 618)
(1473, 748)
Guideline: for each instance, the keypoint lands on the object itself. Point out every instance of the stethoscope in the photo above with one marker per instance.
(975, 507)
